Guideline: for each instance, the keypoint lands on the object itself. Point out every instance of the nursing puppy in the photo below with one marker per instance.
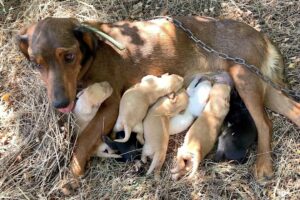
(156, 129)
(129, 151)
(86, 107)
(202, 135)
(198, 92)
(239, 132)
(137, 99)
(89, 101)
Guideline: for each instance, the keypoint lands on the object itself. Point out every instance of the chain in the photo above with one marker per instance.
(290, 93)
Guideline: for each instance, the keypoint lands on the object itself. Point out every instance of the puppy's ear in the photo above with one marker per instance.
(23, 41)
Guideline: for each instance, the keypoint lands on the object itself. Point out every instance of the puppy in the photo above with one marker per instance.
(198, 92)
(239, 132)
(203, 133)
(86, 107)
(136, 101)
(156, 129)
(89, 101)
(129, 151)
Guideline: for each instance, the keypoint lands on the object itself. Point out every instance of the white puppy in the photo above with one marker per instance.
(137, 99)
(198, 91)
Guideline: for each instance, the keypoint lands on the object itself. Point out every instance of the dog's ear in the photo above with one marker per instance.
(23, 41)
(88, 41)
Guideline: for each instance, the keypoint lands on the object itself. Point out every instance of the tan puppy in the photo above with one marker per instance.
(137, 99)
(86, 107)
(202, 135)
(89, 101)
(156, 128)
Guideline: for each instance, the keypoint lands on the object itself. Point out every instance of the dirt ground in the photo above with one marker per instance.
(36, 141)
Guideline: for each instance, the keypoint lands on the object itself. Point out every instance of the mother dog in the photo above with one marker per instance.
(69, 56)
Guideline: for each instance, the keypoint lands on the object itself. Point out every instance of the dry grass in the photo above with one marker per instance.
(35, 141)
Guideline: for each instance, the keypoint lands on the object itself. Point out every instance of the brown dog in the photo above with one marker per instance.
(137, 99)
(156, 129)
(68, 56)
(202, 135)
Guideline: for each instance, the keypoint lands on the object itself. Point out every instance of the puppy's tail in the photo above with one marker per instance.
(127, 131)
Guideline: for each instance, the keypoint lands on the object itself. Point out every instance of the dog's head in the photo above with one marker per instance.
(61, 51)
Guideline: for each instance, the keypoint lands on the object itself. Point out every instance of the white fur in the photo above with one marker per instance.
(198, 97)
(181, 122)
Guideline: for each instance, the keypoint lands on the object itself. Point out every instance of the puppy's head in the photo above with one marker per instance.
(171, 82)
(95, 94)
(98, 92)
(59, 51)
(179, 102)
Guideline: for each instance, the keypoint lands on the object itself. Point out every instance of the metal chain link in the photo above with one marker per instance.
(291, 93)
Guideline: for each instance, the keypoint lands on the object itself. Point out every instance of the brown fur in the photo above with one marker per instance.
(156, 129)
(154, 47)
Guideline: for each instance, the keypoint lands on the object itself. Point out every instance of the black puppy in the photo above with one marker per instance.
(130, 150)
(239, 132)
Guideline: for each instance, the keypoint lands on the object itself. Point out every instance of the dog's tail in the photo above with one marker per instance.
(274, 99)
(127, 131)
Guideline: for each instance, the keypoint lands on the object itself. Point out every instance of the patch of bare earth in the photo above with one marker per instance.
(36, 142)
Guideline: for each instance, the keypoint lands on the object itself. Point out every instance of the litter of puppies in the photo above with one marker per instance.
(158, 107)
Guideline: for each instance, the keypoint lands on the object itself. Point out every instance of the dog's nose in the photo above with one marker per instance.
(61, 103)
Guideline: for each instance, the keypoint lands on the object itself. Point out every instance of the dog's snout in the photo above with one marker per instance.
(61, 102)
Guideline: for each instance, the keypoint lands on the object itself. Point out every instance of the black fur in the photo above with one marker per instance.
(130, 150)
(239, 132)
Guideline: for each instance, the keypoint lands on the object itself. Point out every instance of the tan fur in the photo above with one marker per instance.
(156, 129)
(89, 101)
(202, 135)
(136, 100)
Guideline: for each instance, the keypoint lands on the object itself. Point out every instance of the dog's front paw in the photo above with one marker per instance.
(263, 168)
(69, 185)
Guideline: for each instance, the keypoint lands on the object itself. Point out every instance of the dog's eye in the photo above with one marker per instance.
(69, 57)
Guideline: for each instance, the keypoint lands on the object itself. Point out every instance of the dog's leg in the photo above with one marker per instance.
(251, 90)
(195, 164)
(90, 138)
(156, 164)
(144, 156)
(140, 138)
(100, 152)
(281, 104)
(108, 155)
